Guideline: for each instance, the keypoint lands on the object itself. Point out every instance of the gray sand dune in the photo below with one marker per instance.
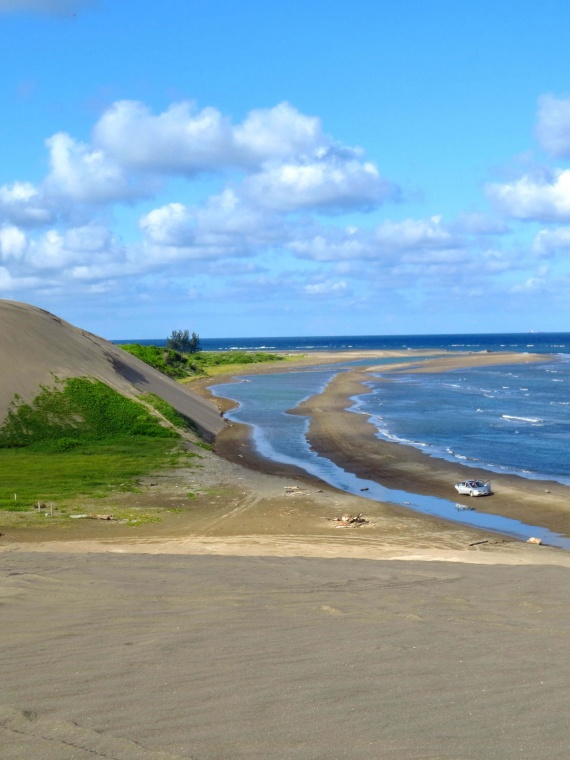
(215, 658)
(35, 346)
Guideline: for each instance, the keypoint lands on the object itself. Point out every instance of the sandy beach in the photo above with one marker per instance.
(248, 624)
(210, 658)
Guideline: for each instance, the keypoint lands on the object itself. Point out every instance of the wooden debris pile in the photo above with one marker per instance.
(294, 491)
(350, 521)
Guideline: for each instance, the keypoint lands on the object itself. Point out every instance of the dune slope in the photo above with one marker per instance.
(36, 347)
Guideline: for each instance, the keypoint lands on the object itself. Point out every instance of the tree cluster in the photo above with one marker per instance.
(181, 340)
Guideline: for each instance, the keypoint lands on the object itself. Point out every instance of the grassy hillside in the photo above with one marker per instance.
(81, 438)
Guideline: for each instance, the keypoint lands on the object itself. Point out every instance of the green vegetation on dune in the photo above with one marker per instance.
(165, 360)
(81, 438)
(167, 411)
(78, 409)
(187, 366)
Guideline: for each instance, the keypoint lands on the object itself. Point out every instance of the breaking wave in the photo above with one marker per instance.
(514, 418)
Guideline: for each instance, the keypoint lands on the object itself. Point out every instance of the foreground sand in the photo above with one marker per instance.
(294, 638)
(165, 657)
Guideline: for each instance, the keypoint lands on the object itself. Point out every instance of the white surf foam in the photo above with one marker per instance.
(514, 418)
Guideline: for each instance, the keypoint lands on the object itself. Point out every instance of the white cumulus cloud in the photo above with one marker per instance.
(414, 234)
(291, 164)
(82, 174)
(334, 244)
(553, 125)
(278, 160)
(278, 174)
(170, 225)
(326, 182)
(184, 140)
(327, 288)
(549, 242)
(228, 217)
(531, 285)
(389, 241)
(56, 250)
(13, 243)
(180, 140)
(10, 282)
(23, 204)
(279, 132)
(538, 198)
(224, 226)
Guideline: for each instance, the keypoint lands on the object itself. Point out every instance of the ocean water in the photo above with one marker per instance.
(506, 419)
(513, 419)
(533, 342)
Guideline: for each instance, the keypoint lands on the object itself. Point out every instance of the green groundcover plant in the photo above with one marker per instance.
(165, 360)
(166, 411)
(78, 409)
(81, 438)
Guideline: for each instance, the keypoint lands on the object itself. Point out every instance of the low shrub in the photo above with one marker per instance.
(178, 365)
(166, 360)
(77, 409)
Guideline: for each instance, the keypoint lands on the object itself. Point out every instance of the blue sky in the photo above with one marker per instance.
(256, 169)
